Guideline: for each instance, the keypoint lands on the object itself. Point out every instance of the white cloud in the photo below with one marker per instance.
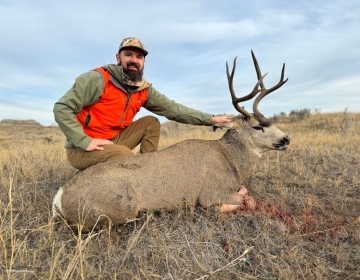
(45, 45)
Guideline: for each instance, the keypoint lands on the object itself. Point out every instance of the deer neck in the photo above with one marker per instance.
(241, 151)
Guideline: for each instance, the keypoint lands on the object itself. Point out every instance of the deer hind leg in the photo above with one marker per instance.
(242, 199)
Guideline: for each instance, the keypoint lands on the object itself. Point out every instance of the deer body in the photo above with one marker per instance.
(204, 172)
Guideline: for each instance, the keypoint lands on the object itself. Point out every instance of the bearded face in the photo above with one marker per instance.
(132, 62)
(132, 71)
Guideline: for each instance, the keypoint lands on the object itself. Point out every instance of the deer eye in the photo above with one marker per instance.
(258, 128)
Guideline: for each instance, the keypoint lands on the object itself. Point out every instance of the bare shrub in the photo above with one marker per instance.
(294, 116)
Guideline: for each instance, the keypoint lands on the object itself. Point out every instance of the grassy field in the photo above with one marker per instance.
(306, 224)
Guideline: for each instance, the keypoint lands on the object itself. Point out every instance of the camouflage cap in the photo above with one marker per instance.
(133, 43)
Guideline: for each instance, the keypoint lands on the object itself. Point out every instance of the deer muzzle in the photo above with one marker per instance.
(282, 143)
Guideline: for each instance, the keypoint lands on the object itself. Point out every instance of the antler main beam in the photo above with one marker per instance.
(236, 100)
(263, 91)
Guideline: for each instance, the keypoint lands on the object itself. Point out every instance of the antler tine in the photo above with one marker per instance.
(265, 91)
(257, 68)
(236, 100)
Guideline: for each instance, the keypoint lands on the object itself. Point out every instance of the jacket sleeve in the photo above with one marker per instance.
(86, 90)
(159, 104)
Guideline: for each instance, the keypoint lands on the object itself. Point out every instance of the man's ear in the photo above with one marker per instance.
(118, 58)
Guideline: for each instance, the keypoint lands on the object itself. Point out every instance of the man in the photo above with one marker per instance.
(96, 114)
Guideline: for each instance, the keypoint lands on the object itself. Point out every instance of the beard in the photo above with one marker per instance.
(135, 76)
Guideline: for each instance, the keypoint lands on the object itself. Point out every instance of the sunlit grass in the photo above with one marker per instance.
(306, 226)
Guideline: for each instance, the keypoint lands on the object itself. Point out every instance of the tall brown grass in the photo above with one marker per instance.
(306, 225)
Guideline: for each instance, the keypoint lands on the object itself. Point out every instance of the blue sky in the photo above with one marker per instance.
(45, 45)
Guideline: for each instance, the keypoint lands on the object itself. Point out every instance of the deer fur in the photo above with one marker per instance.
(196, 172)
(204, 172)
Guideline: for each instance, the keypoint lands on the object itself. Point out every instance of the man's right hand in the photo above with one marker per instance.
(97, 144)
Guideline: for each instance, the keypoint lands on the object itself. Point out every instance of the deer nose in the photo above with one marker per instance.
(286, 140)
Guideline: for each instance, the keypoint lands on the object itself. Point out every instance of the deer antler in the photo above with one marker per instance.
(255, 91)
(236, 100)
(263, 90)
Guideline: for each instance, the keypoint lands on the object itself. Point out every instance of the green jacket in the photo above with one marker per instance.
(87, 90)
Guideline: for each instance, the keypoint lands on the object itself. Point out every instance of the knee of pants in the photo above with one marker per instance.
(81, 160)
(152, 121)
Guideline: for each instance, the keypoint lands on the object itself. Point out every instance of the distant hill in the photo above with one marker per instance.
(19, 122)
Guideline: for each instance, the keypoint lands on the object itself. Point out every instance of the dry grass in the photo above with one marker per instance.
(306, 225)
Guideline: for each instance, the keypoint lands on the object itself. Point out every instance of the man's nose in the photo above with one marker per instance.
(133, 58)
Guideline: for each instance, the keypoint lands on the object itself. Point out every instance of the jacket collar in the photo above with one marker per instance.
(118, 74)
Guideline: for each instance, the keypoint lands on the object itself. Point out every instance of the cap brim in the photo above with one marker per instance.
(145, 52)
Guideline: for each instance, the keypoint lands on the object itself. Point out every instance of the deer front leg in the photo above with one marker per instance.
(224, 203)
(244, 202)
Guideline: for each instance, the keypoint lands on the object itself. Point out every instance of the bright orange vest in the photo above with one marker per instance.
(114, 111)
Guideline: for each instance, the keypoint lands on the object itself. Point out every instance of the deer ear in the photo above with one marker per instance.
(230, 125)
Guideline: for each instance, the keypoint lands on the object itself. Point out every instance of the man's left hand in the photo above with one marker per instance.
(220, 119)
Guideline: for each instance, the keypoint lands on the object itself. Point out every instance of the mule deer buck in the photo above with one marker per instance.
(197, 172)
